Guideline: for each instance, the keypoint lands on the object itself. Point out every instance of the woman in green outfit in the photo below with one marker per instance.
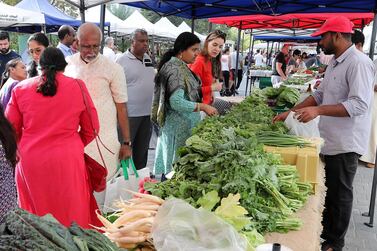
(176, 103)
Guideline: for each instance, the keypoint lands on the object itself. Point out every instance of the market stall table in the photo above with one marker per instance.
(307, 238)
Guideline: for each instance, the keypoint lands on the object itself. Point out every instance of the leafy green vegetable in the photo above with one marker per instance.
(225, 155)
(209, 200)
(25, 231)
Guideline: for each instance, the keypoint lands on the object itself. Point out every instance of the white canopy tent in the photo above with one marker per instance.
(165, 28)
(116, 24)
(185, 27)
(15, 17)
(137, 21)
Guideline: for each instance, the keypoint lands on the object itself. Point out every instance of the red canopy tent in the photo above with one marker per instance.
(290, 21)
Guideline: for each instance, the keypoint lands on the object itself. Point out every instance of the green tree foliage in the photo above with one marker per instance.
(120, 10)
(11, 2)
(65, 7)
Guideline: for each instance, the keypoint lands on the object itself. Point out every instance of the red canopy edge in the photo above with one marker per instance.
(290, 21)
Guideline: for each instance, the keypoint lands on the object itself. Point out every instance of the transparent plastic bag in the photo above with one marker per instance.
(180, 227)
(309, 129)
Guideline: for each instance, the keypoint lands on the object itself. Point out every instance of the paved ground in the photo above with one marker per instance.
(359, 236)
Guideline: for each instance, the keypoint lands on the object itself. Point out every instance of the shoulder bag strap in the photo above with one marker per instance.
(97, 137)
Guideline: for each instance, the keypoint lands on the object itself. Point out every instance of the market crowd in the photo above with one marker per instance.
(72, 100)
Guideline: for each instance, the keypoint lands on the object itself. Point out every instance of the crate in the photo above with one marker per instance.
(306, 160)
(265, 82)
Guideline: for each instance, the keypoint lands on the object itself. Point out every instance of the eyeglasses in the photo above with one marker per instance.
(36, 51)
(90, 47)
(216, 34)
(220, 33)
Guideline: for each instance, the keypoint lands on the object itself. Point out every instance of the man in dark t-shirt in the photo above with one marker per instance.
(279, 66)
(6, 54)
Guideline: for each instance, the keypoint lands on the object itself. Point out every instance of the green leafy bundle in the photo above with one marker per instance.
(25, 231)
(224, 155)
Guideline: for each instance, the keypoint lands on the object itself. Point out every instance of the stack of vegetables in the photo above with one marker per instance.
(24, 231)
(133, 222)
(282, 96)
(262, 68)
(297, 80)
(225, 156)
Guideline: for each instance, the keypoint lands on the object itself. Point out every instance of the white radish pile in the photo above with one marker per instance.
(133, 226)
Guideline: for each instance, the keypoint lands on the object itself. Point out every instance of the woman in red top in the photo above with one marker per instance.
(53, 123)
(208, 65)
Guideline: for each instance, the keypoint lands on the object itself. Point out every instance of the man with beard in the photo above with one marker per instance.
(106, 82)
(6, 54)
(344, 101)
(139, 71)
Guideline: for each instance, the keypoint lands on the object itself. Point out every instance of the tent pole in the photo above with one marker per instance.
(268, 54)
(373, 37)
(192, 25)
(237, 56)
(102, 23)
(82, 11)
(243, 40)
(209, 27)
(250, 57)
(153, 52)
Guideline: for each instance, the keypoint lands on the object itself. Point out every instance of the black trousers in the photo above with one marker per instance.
(239, 78)
(340, 170)
(141, 131)
(226, 76)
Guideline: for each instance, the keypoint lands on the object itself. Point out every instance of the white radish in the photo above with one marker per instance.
(142, 207)
(132, 216)
(104, 221)
(129, 240)
(147, 196)
(134, 226)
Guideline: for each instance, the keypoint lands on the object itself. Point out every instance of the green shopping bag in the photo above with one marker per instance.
(125, 165)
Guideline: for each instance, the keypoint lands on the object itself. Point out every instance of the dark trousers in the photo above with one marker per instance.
(340, 170)
(226, 76)
(239, 78)
(140, 130)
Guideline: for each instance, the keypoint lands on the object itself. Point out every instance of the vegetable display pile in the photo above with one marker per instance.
(284, 96)
(225, 156)
(133, 222)
(262, 68)
(25, 231)
(297, 81)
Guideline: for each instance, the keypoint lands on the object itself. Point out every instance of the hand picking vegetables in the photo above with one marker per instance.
(135, 217)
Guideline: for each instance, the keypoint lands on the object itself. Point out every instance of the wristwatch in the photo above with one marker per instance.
(127, 143)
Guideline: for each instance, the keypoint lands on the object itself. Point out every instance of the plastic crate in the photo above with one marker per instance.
(306, 160)
(265, 82)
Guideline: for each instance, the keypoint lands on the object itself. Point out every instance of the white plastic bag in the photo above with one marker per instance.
(180, 227)
(116, 188)
(309, 129)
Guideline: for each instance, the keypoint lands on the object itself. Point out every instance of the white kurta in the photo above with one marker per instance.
(106, 83)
